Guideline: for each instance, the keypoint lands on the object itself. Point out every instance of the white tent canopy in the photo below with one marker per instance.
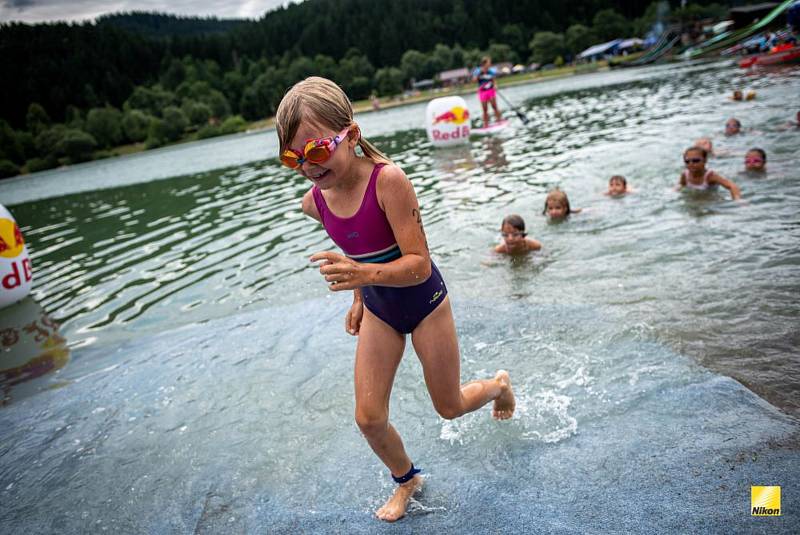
(597, 50)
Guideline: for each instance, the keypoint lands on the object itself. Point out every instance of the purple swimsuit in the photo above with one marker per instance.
(368, 237)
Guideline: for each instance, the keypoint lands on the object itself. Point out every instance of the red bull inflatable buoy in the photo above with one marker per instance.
(16, 275)
(447, 121)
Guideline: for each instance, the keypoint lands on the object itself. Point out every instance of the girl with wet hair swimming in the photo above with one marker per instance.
(515, 240)
(369, 209)
(755, 160)
(697, 178)
(556, 205)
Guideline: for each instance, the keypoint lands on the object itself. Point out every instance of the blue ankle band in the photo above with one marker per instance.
(406, 478)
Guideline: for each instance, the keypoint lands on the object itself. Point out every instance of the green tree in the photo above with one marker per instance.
(413, 64)
(77, 145)
(175, 122)
(135, 124)
(105, 126)
(157, 133)
(233, 124)
(36, 119)
(389, 81)
(608, 24)
(197, 113)
(8, 168)
(174, 75)
(10, 146)
(546, 46)
(151, 100)
(517, 38)
(500, 52)
(578, 38)
(48, 141)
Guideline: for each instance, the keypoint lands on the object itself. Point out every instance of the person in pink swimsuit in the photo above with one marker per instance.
(368, 207)
(486, 76)
(697, 178)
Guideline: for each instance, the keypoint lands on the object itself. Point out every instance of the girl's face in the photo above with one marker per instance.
(616, 187)
(753, 161)
(324, 175)
(556, 209)
(732, 127)
(694, 160)
(512, 236)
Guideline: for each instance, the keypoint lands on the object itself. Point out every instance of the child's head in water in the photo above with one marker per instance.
(556, 205)
(617, 186)
(317, 134)
(737, 94)
(733, 126)
(755, 160)
(512, 229)
(705, 144)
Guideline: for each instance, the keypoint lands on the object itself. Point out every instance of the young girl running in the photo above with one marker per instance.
(369, 209)
(487, 93)
(696, 177)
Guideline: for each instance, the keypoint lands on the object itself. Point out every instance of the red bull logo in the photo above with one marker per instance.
(456, 115)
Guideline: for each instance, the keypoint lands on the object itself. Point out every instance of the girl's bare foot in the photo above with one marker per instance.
(395, 507)
(505, 403)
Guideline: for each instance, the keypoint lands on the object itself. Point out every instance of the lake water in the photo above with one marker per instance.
(200, 378)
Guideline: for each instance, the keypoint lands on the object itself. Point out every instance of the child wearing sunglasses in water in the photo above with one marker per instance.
(515, 240)
(369, 209)
(755, 160)
(697, 178)
(556, 206)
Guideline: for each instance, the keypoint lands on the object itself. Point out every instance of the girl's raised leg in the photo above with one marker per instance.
(436, 344)
(378, 354)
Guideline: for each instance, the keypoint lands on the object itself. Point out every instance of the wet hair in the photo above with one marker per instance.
(695, 148)
(737, 94)
(515, 221)
(320, 101)
(620, 178)
(761, 152)
(557, 195)
(736, 121)
(701, 142)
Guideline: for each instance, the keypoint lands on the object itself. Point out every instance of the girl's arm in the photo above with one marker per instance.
(681, 182)
(397, 198)
(500, 248)
(725, 183)
(352, 321)
(310, 207)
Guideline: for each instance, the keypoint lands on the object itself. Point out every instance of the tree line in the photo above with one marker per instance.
(76, 90)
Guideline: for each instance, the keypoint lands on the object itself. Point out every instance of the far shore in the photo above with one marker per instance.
(366, 106)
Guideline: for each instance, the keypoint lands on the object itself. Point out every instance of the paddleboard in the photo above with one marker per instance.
(491, 129)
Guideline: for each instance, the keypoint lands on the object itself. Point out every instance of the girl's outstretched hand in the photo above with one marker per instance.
(341, 272)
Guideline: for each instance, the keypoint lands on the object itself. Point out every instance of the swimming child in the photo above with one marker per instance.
(755, 160)
(706, 144)
(750, 95)
(556, 205)
(515, 241)
(737, 95)
(485, 76)
(733, 126)
(697, 177)
(368, 207)
(617, 186)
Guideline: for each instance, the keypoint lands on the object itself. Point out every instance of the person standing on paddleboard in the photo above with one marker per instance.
(485, 75)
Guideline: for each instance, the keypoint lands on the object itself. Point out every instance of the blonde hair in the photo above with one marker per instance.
(323, 102)
(558, 196)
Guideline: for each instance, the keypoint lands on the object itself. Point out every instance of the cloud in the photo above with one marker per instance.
(80, 10)
(19, 5)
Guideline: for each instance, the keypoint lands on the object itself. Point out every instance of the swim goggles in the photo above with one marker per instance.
(316, 151)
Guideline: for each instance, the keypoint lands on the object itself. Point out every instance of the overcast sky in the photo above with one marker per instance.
(76, 10)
